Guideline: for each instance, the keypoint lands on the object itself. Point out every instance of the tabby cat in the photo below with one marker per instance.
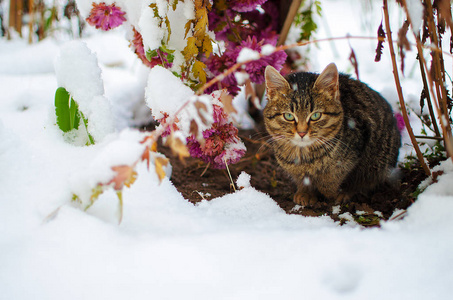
(334, 135)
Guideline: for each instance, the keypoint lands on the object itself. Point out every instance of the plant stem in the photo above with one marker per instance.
(440, 97)
(229, 174)
(437, 138)
(400, 92)
(295, 4)
(421, 61)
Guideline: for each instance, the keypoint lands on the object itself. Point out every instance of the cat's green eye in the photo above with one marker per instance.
(288, 117)
(316, 116)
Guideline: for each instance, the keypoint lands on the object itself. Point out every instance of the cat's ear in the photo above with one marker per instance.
(327, 81)
(274, 80)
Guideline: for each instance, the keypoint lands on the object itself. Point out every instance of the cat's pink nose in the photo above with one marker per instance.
(302, 134)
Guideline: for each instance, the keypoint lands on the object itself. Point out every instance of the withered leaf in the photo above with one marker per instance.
(403, 43)
(160, 163)
(193, 128)
(380, 45)
(227, 101)
(177, 146)
(125, 176)
(353, 60)
(201, 110)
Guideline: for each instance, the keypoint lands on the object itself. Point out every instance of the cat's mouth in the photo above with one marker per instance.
(302, 142)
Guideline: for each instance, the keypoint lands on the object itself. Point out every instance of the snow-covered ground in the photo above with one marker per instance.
(240, 246)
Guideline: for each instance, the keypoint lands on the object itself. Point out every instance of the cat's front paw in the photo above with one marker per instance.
(342, 198)
(304, 199)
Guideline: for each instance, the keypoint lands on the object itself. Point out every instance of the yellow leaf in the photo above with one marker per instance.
(160, 162)
(187, 27)
(95, 193)
(191, 50)
(167, 23)
(207, 45)
(202, 21)
(198, 70)
(175, 3)
(154, 147)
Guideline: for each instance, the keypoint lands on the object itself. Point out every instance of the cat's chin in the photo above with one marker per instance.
(302, 142)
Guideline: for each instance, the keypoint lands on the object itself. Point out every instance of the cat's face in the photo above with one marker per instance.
(303, 113)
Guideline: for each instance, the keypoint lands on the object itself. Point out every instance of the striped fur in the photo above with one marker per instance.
(353, 146)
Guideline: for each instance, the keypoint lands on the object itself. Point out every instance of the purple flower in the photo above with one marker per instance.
(256, 68)
(105, 16)
(233, 26)
(217, 65)
(245, 5)
(221, 142)
(400, 121)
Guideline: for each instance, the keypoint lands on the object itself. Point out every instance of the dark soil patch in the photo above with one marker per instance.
(196, 182)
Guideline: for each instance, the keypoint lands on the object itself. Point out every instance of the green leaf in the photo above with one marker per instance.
(66, 110)
(85, 122)
(150, 54)
(74, 116)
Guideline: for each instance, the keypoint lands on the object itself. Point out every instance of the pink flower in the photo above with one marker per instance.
(105, 16)
(256, 68)
(400, 121)
(221, 142)
(245, 5)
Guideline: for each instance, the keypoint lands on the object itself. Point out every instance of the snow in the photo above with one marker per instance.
(239, 246)
(77, 70)
(159, 80)
(267, 49)
(247, 54)
(149, 28)
(415, 9)
(243, 180)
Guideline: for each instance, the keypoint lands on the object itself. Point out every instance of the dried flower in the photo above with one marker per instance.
(105, 16)
(221, 142)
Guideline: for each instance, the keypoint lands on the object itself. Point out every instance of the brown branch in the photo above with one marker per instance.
(295, 4)
(31, 11)
(400, 92)
(423, 137)
(438, 70)
(421, 62)
(439, 81)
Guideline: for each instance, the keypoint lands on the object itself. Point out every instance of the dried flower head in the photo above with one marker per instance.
(221, 142)
(106, 17)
